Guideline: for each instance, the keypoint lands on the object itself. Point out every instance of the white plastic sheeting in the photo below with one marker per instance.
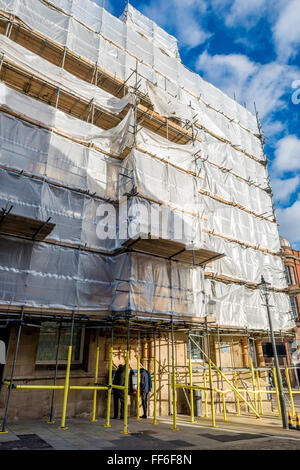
(44, 275)
(242, 307)
(47, 275)
(154, 285)
(61, 78)
(170, 186)
(43, 153)
(112, 141)
(210, 149)
(91, 32)
(76, 215)
(147, 28)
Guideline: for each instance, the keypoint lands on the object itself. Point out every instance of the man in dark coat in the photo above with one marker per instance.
(119, 379)
(145, 386)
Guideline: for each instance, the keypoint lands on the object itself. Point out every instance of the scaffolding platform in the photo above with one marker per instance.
(19, 226)
(172, 250)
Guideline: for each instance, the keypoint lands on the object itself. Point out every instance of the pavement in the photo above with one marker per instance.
(238, 433)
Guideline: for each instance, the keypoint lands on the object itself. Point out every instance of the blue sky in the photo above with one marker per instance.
(250, 49)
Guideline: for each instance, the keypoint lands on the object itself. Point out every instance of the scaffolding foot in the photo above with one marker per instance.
(93, 421)
(138, 419)
(64, 428)
(50, 422)
(174, 429)
(3, 432)
(107, 425)
(125, 432)
(155, 424)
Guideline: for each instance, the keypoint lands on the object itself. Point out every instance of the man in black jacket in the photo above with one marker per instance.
(119, 379)
(145, 385)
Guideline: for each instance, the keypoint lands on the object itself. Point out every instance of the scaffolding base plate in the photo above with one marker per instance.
(107, 425)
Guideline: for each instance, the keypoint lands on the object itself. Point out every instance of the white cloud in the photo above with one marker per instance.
(245, 13)
(289, 221)
(185, 18)
(284, 188)
(229, 72)
(286, 30)
(287, 155)
(249, 81)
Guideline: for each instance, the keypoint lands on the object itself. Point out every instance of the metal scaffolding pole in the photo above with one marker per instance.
(3, 430)
(107, 424)
(67, 380)
(277, 369)
(51, 421)
(174, 428)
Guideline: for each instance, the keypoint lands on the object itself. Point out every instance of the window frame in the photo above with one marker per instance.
(202, 345)
(74, 362)
(293, 276)
(294, 306)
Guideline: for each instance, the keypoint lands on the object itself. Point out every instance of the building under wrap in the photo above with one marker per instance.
(130, 188)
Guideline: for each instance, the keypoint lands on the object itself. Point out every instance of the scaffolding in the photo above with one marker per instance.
(95, 118)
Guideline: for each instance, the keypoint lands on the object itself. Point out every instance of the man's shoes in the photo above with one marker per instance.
(121, 417)
(144, 417)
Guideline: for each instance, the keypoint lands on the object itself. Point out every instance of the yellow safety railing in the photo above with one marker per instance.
(66, 390)
(95, 381)
(191, 390)
(155, 392)
(107, 424)
(125, 388)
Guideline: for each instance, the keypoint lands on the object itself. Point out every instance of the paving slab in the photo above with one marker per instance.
(240, 433)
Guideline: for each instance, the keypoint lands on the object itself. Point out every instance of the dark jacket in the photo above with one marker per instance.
(119, 378)
(145, 381)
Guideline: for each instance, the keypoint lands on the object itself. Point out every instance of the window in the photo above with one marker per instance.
(48, 341)
(294, 306)
(293, 276)
(288, 277)
(268, 349)
(197, 341)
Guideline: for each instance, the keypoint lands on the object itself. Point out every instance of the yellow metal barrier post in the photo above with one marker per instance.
(174, 427)
(155, 385)
(277, 391)
(290, 390)
(107, 424)
(94, 420)
(205, 396)
(212, 403)
(259, 393)
(191, 383)
(236, 395)
(125, 428)
(67, 380)
(253, 382)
